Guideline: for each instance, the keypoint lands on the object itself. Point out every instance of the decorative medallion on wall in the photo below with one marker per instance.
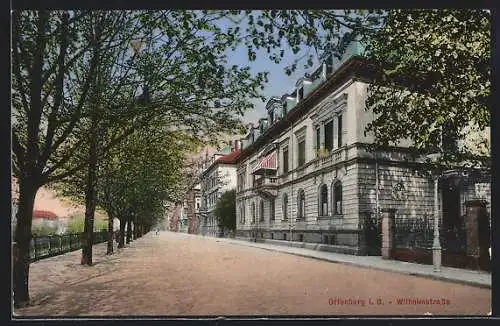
(398, 191)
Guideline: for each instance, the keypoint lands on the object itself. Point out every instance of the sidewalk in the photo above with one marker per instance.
(456, 275)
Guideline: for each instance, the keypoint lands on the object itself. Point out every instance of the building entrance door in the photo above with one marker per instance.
(452, 226)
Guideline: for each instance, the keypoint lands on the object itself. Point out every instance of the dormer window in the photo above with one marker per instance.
(271, 116)
(301, 93)
(273, 105)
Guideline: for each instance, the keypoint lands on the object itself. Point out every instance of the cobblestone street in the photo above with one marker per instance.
(174, 274)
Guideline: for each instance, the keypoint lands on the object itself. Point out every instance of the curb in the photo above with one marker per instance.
(428, 276)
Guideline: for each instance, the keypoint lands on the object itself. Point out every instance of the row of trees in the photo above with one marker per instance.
(106, 105)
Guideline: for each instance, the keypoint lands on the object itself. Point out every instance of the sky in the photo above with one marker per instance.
(279, 83)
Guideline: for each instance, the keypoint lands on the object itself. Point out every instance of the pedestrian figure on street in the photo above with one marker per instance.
(157, 231)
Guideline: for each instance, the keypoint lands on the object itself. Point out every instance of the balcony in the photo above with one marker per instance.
(267, 186)
(329, 158)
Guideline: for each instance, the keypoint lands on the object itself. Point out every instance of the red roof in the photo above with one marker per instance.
(44, 214)
(229, 158)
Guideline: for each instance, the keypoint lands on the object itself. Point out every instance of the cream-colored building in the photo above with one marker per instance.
(218, 175)
(306, 174)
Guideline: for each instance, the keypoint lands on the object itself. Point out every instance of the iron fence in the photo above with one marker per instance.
(414, 232)
(418, 233)
(48, 246)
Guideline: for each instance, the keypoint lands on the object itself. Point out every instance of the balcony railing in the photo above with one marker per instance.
(331, 157)
(266, 181)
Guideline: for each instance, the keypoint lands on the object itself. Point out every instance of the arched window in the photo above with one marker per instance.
(284, 207)
(337, 197)
(261, 215)
(301, 204)
(271, 210)
(323, 200)
(253, 212)
(244, 212)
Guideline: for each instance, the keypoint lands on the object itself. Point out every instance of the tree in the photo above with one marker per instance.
(141, 175)
(225, 210)
(136, 178)
(434, 83)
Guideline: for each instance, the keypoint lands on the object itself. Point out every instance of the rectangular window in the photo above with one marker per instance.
(329, 136)
(285, 160)
(284, 236)
(318, 140)
(284, 109)
(301, 153)
(301, 93)
(339, 131)
(301, 238)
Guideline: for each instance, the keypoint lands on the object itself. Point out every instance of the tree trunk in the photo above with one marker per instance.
(90, 197)
(110, 235)
(129, 231)
(22, 238)
(136, 231)
(121, 243)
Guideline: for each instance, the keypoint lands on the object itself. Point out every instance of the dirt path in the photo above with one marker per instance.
(174, 274)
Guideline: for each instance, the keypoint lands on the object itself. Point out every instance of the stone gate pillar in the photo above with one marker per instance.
(477, 231)
(388, 216)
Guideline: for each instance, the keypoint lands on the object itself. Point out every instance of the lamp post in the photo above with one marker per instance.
(436, 244)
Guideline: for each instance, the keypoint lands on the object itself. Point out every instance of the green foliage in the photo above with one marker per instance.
(75, 224)
(305, 32)
(74, 67)
(434, 86)
(43, 230)
(100, 225)
(225, 210)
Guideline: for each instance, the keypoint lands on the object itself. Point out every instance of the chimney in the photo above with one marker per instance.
(237, 144)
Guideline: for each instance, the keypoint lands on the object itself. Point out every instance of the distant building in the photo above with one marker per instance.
(217, 175)
(49, 219)
(174, 218)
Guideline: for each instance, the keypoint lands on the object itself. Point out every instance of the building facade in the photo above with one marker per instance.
(194, 205)
(306, 172)
(218, 175)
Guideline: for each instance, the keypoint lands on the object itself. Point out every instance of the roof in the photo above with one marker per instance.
(226, 159)
(351, 68)
(229, 158)
(44, 214)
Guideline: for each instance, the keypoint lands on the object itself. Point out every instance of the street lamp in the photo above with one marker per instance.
(436, 244)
